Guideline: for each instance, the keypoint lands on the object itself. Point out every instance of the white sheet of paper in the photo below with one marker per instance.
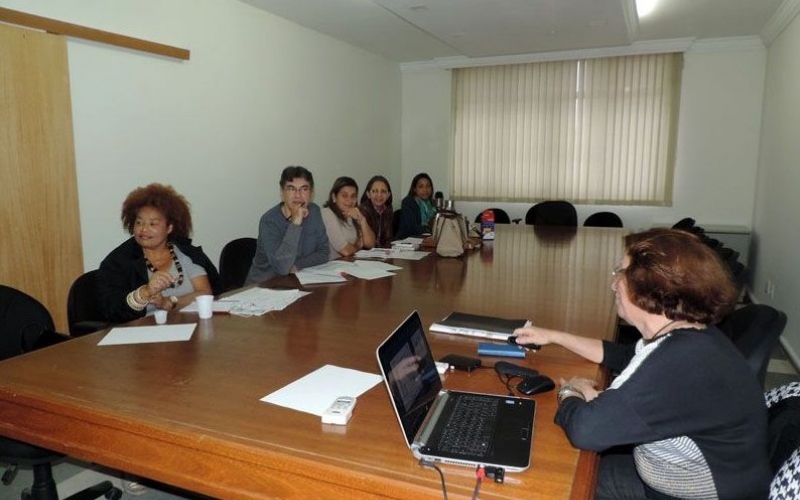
(368, 273)
(374, 264)
(310, 278)
(258, 301)
(148, 334)
(383, 253)
(223, 305)
(315, 392)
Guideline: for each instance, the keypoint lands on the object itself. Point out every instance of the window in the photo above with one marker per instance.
(591, 131)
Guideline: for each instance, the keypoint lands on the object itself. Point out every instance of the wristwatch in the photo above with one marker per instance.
(567, 391)
(173, 300)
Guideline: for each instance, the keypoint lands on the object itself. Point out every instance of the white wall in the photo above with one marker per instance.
(718, 138)
(777, 207)
(259, 93)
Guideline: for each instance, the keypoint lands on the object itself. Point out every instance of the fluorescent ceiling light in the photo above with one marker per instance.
(645, 7)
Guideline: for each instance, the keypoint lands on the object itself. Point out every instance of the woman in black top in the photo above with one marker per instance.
(417, 208)
(685, 399)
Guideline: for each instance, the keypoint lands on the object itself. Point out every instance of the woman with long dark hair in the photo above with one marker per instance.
(347, 228)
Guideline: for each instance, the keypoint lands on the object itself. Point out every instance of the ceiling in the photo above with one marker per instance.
(425, 30)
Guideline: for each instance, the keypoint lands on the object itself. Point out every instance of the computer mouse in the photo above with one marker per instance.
(536, 385)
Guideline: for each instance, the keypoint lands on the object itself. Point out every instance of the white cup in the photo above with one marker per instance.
(161, 316)
(205, 306)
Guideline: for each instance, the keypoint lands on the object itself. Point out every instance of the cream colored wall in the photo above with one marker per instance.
(259, 93)
(718, 138)
(777, 204)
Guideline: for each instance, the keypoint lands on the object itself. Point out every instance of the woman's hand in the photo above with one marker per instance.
(161, 302)
(159, 282)
(355, 214)
(533, 335)
(586, 387)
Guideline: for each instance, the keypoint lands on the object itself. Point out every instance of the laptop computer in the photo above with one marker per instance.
(453, 427)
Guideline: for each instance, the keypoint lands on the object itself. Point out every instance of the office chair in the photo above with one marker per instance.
(783, 409)
(500, 216)
(396, 221)
(685, 223)
(552, 213)
(603, 219)
(755, 330)
(83, 307)
(24, 321)
(235, 261)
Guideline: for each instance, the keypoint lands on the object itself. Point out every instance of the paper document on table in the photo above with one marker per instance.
(258, 301)
(221, 305)
(312, 278)
(393, 253)
(370, 269)
(148, 334)
(315, 392)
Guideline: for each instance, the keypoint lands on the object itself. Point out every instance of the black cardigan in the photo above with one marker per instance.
(125, 269)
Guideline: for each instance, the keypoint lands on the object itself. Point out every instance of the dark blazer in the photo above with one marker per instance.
(410, 220)
(124, 270)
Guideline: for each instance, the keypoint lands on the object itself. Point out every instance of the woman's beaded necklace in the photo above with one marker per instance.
(178, 266)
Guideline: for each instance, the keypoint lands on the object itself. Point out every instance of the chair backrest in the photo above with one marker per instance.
(396, 221)
(500, 216)
(235, 261)
(603, 219)
(685, 223)
(783, 407)
(552, 213)
(755, 330)
(83, 307)
(23, 320)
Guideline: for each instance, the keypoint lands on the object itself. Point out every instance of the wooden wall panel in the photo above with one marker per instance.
(40, 237)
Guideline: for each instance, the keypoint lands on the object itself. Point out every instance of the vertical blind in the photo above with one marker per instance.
(590, 131)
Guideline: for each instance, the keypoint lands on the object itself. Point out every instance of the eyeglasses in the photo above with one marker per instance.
(618, 270)
(297, 189)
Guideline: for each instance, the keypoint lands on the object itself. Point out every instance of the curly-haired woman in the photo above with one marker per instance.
(158, 267)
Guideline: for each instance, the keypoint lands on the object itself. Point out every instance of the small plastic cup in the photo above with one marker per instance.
(161, 316)
(205, 307)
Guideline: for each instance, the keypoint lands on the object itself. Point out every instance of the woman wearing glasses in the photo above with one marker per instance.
(158, 267)
(291, 234)
(685, 416)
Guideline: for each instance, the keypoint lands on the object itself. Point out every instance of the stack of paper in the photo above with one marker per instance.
(253, 302)
(334, 271)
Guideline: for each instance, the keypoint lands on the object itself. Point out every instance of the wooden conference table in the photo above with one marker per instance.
(188, 413)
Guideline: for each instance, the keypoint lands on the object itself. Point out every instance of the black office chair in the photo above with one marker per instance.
(24, 323)
(783, 410)
(396, 221)
(83, 307)
(500, 216)
(755, 330)
(552, 213)
(235, 261)
(685, 223)
(603, 219)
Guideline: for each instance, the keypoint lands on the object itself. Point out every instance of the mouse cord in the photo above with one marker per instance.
(479, 474)
(427, 463)
(507, 382)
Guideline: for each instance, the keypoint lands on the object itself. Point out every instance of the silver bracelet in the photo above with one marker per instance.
(133, 303)
(569, 391)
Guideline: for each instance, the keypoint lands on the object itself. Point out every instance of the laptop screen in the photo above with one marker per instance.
(410, 373)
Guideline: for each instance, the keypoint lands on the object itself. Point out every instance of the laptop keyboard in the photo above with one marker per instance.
(470, 427)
